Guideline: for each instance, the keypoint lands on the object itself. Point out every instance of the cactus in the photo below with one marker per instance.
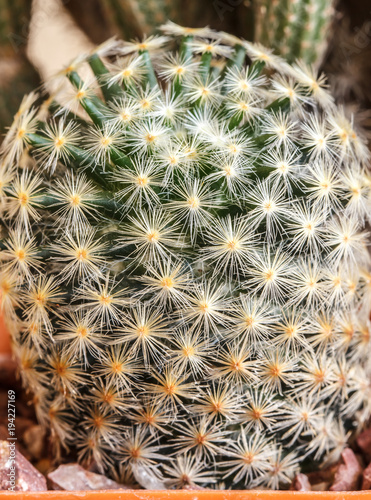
(295, 29)
(184, 265)
(134, 19)
(148, 14)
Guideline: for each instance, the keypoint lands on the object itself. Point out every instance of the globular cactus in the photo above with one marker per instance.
(184, 265)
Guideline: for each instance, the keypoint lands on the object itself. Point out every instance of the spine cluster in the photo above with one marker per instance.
(184, 262)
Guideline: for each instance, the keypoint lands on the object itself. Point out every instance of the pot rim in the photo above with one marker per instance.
(185, 495)
(4, 336)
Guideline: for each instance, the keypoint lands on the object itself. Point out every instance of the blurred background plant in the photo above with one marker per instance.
(18, 75)
(37, 38)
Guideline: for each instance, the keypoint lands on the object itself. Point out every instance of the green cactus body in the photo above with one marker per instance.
(156, 12)
(184, 267)
(296, 29)
(135, 19)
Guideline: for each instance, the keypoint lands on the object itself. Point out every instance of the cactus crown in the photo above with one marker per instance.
(184, 264)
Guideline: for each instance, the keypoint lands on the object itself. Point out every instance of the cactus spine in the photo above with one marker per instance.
(184, 266)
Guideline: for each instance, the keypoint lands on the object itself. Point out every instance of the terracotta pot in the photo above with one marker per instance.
(186, 495)
(172, 494)
(4, 338)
